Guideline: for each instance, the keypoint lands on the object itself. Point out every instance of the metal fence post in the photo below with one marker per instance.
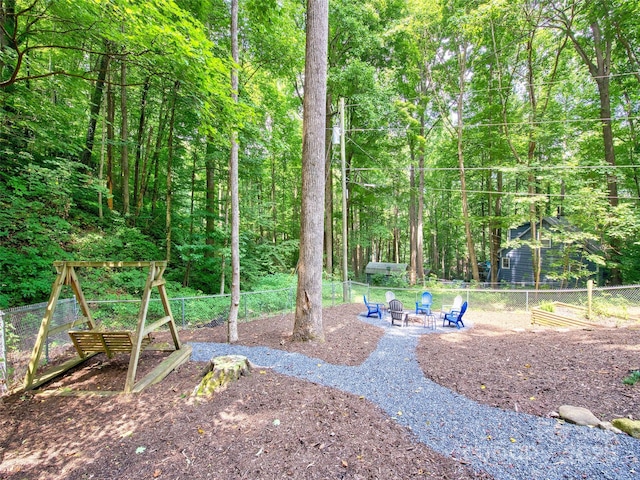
(290, 299)
(333, 294)
(184, 320)
(589, 299)
(526, 301)
(3, 356)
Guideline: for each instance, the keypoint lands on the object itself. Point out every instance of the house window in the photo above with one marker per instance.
(505, 263)
(545, 242)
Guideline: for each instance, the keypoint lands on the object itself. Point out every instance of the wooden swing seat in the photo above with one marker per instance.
(93, 341)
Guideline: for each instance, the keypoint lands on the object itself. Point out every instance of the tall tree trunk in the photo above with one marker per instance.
(163, 118)
(536, 250)
(169, 194)
(139, 141)
(308, 316)
(462, 59)
(124, 137)
(9, 40)
(328, 196)
(94, 110)
(192, 203)
(274, 204)
(224, 206)
(420, 210)
(111, 114)
(145, 173)
(496, 230)
(211, 200)
(232, 326)
(600, 67)
(413, 230)
(103, 150)
(633, 137)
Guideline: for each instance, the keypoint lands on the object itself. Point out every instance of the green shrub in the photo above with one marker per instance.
(547, 307)
(632, 378)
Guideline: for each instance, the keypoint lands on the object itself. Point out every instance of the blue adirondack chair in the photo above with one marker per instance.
(455, 316)
(373, 308)
(424, 305)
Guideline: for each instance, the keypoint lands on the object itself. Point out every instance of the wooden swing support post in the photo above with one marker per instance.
(93, 340)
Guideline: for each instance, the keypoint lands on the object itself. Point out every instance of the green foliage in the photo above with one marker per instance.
(12, 339)
(632, 378)
(398, 280)
(547, 307)
(528, 142)
(275, 281)
(119, 242)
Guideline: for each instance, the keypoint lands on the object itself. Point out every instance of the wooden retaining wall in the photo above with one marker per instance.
(552, 319)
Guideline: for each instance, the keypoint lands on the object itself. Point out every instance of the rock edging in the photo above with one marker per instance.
(583, 416)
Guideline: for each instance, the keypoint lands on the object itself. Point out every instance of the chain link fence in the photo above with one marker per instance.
(614, 301)
(19, 326)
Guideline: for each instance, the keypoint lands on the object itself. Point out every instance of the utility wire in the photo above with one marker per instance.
(527, 85)
(527, 194)
(468, 126)
(515, 169)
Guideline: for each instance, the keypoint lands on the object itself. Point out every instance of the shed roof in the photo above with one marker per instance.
(385, 268)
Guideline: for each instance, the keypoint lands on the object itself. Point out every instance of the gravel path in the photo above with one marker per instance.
(506, 444)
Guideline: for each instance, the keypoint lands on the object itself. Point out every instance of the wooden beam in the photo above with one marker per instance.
(92, 341)
(67, 326)
(56, 371)
(542, 317)
(140, 327)
(110, 264)
(155, 325)
(170, 363)
(67, 392)
(43, 332)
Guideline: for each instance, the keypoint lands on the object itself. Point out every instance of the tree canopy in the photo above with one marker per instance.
(463, 119)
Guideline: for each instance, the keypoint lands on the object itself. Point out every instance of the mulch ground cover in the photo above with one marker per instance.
(268, 426)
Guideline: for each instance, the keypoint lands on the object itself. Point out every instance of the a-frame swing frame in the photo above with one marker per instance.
(93, 340)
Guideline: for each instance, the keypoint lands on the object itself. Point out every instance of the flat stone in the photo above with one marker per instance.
(628, 426)
(609, 426)
(578, 415)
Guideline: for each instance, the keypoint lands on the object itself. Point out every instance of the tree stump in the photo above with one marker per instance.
(220, 371)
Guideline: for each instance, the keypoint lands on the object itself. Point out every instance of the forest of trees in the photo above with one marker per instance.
(463, 118)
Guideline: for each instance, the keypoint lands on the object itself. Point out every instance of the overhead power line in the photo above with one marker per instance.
(527, 194)
(468, 126)
(518, 168)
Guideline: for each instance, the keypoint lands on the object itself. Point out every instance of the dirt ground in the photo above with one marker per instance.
(268, 426)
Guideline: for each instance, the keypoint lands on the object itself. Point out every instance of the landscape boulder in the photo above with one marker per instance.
(579, 416)
(631, 427)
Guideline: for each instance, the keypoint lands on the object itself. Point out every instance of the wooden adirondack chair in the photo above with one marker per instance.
(397, 312)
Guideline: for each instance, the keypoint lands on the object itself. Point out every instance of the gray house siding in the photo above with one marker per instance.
(519, 259)
(521, 264)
